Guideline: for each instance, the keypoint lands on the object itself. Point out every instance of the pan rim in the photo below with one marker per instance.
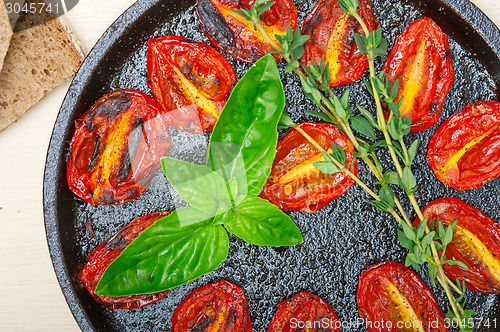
(478, 20)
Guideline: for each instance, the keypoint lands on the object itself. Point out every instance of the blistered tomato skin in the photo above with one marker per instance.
(235, 35)
(304, 312)
(116, 148)
(392, 297)
(106, 253)
(331, 32)
(476, 242)
(421, 60)
(191, 82)
(294, 183)
(217, 307)
(464, 153)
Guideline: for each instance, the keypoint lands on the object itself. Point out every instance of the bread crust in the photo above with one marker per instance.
(39, 59)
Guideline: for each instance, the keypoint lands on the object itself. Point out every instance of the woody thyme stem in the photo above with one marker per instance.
(331, 113)
(443, 280)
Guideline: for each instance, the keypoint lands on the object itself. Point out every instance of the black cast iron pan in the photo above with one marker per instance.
(341, 241)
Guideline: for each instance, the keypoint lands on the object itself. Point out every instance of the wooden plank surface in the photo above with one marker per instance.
(31, 299)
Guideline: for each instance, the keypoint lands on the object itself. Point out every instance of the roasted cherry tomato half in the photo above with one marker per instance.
(465, 150)
(331, 32)
(421, 60)
(191, 81)
(102, 256)
(235, 35)
(391, 297)
(220, 307)
(116, 148)
(304, 312)
(294, 183)
(476, 242)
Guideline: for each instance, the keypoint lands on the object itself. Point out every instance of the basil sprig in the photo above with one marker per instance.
(222, 196)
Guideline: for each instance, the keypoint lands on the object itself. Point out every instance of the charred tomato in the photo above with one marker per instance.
(476, 242)
(294, 182)
(191, 82)
(464, 153)
(235, 35)
(102, 256)
(220, 307)
(421, 60)
(392, 297)
(116, 148)
(305, 309)
(331, 32)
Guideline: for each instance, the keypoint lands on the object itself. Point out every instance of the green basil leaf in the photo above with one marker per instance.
(261, 223)
(249, 122)
(363, 126)
(173, 251)
(198, 185)
(229, 195)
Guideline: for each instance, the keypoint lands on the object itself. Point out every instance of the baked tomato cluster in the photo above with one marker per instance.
(464, 153)
(116, 148)
(304, 312)
(421, 61)
(295, 183)
(220, 307)
(239, 37)
(190, 81)
(476, 243)
(102, 256)
(332, 37)
(118, 142)
(391, 297)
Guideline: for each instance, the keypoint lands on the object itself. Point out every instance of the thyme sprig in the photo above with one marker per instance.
(421, 242)
(396, 128)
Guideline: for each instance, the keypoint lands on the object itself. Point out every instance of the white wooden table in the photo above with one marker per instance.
(30, 297)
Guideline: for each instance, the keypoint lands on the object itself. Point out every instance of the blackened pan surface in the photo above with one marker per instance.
(341, 240)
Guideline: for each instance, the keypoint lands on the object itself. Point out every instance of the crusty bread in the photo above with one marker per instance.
(5, 32)
(40, 57)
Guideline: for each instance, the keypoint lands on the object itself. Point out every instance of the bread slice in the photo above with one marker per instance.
(5, 32)
(43, 53)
